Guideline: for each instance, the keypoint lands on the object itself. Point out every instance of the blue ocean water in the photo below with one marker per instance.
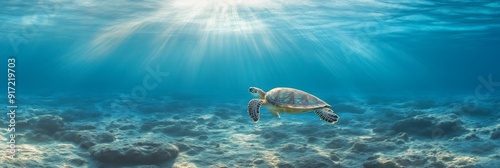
(174, 55)
(222, 47)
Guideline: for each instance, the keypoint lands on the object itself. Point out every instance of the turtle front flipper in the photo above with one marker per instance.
(327, 115)
(254, 109)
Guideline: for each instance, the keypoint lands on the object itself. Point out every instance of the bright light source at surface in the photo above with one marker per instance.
(209, 20)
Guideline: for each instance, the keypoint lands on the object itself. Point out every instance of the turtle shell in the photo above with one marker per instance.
(294, 98)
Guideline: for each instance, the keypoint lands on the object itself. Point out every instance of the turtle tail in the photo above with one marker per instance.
(327, 115)
(254, 109)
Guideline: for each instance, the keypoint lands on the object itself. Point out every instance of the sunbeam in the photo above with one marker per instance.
(207, 41)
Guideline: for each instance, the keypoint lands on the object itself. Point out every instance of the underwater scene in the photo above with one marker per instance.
(260, 83)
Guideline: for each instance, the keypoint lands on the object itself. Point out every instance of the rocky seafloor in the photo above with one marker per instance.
(180, 131)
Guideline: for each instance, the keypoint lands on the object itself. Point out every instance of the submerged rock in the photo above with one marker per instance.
(412, 160)
(127, 127)
(334, 157)
(134, 153)
(284, 165)
(223, 113)
(312, 139)
(85, 139)
(364, 146)
(437, 164)
(430, 127)
(203, 137)
(77, 161)
(290, 147)
(495, 135)
(47, 124)
(22, 124)
(471, 137)
(337, 143)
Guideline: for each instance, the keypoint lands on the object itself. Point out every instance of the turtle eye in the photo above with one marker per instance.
(252, 90)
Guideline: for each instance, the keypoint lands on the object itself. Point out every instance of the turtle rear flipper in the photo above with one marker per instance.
(327, 115)
(274, 112)
(254, 109)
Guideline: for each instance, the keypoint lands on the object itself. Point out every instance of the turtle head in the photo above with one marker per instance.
(259, 93)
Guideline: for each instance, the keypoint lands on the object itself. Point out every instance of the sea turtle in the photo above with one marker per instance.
(289, 100)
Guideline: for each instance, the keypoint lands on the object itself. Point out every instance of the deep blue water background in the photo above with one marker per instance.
(220, 48)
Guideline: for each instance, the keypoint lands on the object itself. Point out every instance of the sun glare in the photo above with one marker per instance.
(208, 20)
(192, 33)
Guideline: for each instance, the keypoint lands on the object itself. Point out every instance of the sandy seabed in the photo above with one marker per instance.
(377, 131)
